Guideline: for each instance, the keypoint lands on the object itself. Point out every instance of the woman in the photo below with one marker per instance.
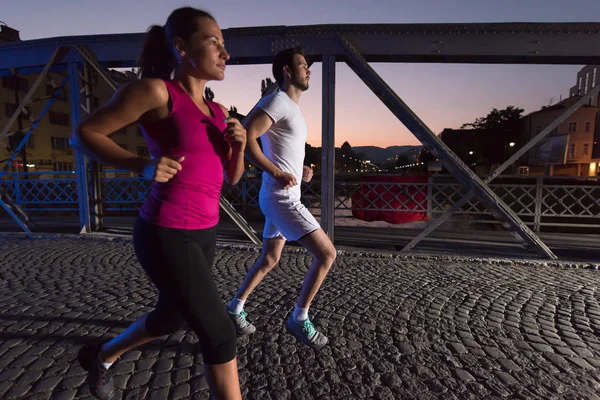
(194, 147)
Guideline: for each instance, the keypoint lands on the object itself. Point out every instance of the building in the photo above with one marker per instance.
(48, 147)
(472, 147)
(571, 143)
(8, 34)
(587, 78)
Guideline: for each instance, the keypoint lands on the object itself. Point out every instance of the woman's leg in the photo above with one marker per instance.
(97, 359)
(222, 378)
(189, 284)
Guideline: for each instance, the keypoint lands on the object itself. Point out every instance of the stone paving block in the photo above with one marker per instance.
(508, 365)
(506, 378)
(580, 362)
(457, 348)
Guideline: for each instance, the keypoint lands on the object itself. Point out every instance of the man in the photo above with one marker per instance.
(278, 120)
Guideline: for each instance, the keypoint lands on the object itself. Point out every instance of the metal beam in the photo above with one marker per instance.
(513, 43)
(434, 144)
(93, 178)
(80, 159)
(520, 152)
(90, 58)
(328, 147)
(31, 91)
(29, 131)
(239, 220)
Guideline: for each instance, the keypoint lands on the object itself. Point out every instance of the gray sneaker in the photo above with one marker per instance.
(306, 333)
(242, 326)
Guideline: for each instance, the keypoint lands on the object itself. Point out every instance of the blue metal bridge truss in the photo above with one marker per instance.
(356, 45)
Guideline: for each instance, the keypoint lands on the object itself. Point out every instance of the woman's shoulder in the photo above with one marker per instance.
(150, 89)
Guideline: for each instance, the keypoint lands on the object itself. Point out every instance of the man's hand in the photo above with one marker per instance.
(307, 174)
(235, 134)
(286, 179)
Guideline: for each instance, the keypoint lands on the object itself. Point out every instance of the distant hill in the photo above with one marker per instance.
(378, 154)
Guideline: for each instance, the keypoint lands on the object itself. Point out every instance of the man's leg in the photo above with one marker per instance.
(269, 257)
(318, 244)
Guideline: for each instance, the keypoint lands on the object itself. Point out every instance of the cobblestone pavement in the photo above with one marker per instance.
(400, 327)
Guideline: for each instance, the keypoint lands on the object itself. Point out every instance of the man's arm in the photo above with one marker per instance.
(258, 123)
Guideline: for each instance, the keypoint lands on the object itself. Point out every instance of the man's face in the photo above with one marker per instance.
(300, 72)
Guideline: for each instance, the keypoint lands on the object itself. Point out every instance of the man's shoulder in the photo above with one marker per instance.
(273, 98)
(276, 106)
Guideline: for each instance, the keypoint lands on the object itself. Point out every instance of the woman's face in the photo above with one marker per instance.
(204, 55)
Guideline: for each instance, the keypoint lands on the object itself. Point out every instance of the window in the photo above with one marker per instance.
(594, 79)
(587, 80)
(579, 85)
(62, 96)
(588, 126)
(59, 118)
(15, 83)
(143, 151)
(572, 126)
(538, 129)
(59, 143)
(10, 109)
(63, 166)
(123, 146)
(571, 152)
(15, 140)
(586, 149)
(139, 132)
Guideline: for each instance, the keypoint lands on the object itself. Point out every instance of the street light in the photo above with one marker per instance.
(471, 152)
(512, 144)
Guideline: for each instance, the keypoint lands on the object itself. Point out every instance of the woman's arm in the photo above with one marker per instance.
(126, 107)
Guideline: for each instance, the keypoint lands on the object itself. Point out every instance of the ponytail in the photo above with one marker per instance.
(156, 59)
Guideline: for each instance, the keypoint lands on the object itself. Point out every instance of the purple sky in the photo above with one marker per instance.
(443, 95)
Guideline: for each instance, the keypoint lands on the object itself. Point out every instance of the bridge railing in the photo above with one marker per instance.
(568, 202)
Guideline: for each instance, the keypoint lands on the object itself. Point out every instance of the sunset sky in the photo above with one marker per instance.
(443, 95)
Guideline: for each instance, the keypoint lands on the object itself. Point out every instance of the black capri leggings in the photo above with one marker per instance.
(179, 262)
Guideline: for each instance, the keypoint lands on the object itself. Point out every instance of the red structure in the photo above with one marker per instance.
(409, 194)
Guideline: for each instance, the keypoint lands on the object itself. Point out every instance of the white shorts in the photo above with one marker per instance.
(285, 215)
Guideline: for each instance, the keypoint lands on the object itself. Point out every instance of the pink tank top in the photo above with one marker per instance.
(189, 200)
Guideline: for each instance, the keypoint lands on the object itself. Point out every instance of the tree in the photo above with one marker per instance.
(208, 93)
(496, 130)
(346, 148)
(510, 117)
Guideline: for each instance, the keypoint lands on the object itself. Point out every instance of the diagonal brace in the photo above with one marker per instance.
(57, 53)
(458, 168)
(34, 125)
(528, 146)
(88, 56)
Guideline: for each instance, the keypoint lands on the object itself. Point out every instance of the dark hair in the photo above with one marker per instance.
(285, 58)
(158, 58)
